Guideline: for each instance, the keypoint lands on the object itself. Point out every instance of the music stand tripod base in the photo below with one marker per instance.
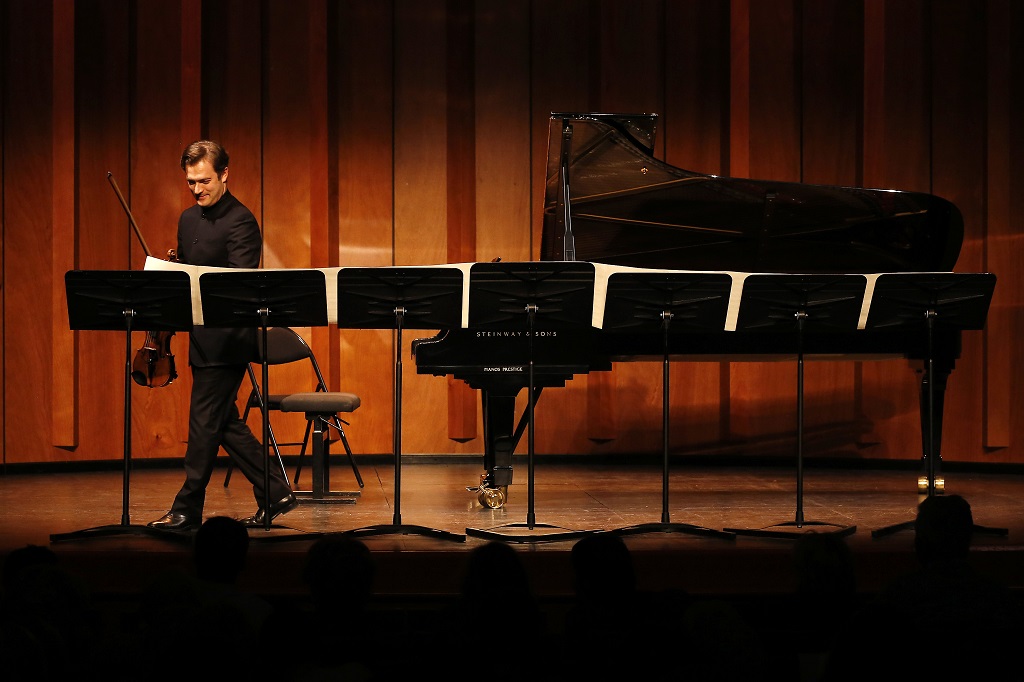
(686, 528)
(402, 529)
(538, 532)
(396, 298)
(127, 301)
(527, 297)
(672, 303)
(795, 304)
(806, 528)
(260, 299)
(925, 301)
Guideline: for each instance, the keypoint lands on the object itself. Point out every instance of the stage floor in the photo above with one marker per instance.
(574, 495)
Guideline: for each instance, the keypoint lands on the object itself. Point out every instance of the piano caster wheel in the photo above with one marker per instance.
(492, 498)
(922, 485)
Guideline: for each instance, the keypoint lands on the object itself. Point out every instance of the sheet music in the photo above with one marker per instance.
(601, 270)
(330, 275)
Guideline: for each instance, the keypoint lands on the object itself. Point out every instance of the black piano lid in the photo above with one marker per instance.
(629, 208)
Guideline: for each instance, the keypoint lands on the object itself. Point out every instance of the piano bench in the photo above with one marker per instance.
(321, 409)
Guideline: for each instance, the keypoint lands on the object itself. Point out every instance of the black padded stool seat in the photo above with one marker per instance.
(319, 407)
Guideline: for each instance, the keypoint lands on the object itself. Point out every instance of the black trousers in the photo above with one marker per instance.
(214, 422)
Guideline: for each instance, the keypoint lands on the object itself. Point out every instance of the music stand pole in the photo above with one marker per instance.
(264, 314)
(500, 293)
(421, 297)
(159, 300)
(695, 302)
(261, 299)
(531, 515)
(831, 303)
(396, 412)
(958, 300)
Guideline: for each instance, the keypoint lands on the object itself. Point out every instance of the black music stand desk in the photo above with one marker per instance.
(520, 297)
(400, 297)
(796, 304)
(673, 303)
(924, 302)
(128, 300)
(264, 299)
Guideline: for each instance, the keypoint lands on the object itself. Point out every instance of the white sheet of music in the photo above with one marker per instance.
(601, 274)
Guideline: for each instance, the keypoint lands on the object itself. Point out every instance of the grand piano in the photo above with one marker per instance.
(608, 200)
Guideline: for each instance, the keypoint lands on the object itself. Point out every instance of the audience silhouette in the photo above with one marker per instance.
(49, 625)
(344, 638)
(944, 621)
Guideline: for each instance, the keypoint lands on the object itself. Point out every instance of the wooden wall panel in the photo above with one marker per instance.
(832, 86)
(460, 194)
(1012, 241)
(957, 173)
(631, 79)
(64, 384)
(294, 170)
(28, 173)
(103, 46)
(365, 133)
(565, 77)
(694, 133)
(909, 95)
(763, 395)
(897, 152)
(5, 21)
(421, 234)
(153, 190)
(1003, 249)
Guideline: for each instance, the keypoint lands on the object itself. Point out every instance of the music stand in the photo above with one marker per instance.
(800, 303)
(264, 299)
(129, 300)
(942, 299)
(400, 297)
(515, 297)
(675, 302)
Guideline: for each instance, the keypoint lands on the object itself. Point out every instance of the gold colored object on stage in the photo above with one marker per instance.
(922, 485)
(490, 497)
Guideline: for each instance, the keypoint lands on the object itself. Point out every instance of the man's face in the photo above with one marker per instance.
(206, 186)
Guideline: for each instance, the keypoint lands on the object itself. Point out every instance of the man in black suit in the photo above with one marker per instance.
(219, 231)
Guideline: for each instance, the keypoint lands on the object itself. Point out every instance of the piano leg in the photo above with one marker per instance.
(499, 417)
(942, 372)
(500, 441)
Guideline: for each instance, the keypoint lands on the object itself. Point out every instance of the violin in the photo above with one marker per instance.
(153, 365)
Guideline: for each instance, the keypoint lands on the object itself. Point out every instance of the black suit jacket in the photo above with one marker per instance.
(224, 235)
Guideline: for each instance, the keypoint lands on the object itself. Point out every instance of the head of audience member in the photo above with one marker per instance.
(21, 559)
(824, 565)
(495, 573)
(339, 573)
(943, 529)
(602, 567)
(220, 547)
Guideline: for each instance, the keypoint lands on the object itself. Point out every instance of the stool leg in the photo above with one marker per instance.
(320, 450)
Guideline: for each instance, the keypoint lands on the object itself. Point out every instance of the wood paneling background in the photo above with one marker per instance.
(393, 132)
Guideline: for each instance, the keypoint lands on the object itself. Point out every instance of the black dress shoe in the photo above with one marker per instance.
(174, 521)
(282, 506)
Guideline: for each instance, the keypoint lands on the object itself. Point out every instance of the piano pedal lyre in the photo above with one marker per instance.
(489, 496)
(922, 485)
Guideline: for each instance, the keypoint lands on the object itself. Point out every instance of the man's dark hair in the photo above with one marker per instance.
(207, 150)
